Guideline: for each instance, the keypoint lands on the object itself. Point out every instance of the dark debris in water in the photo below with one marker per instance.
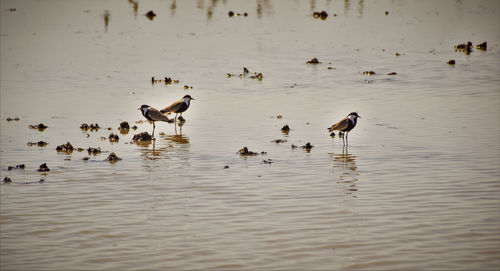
(141, 137)
(13, 119)
(320, 14)
(369, 73)
(67, 148)
(113, 138)
(267, 161)
(94, 151)
(285, 129)
(7, 180)
(279, 141)
(40, 127)
(91, 127)
(20, 166)
(113, 157)
(313, 61)
(246, 152)
(246, 71)
(392, 73)
(150, 15)
(307, 146)
(39, 182)
(451, 62)
(43, 168)
(124, 125)
(39, 144)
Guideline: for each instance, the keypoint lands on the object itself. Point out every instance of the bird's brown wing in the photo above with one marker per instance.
(341, 125)
(157, 115)
(173, 107)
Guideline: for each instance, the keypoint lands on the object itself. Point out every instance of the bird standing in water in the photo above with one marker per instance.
(152, 114)
(178, 107)
(346, 125)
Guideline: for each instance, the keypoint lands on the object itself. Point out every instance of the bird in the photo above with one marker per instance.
(178, 107)
(152, 114)
(346, 125)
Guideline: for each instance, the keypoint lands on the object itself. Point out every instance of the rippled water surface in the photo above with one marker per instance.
(418, 187)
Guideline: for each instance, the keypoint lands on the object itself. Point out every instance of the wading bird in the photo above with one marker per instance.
(178, 107)
(346, 125)
(152, 114)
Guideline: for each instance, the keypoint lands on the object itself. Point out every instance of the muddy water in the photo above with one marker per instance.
(417, 188)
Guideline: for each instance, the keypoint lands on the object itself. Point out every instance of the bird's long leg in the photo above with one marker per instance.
(343, 141)
(347, 139)
(153, 130)
(175, 118)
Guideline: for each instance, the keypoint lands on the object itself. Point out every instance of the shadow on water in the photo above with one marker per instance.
(344, 166)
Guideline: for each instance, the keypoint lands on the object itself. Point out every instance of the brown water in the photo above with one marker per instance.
(417, 188)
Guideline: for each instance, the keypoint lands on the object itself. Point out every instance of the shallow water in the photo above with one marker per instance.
(417, 188)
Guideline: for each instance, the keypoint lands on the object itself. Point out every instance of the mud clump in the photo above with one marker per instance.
(113, 158)
(313, 61)
(307, 147)
(285, 129)
(246, 152)
(7, 180)
(320, 14)
(40, 127)
(482, 46)
(39, 144)
(141, 137)
(20, 166)
(113, 138)
(43, 168)
(150, 15)
(94, 151)
(67, 148)
(267, 161)
(124, 125)
(464, 47)
(91, 127)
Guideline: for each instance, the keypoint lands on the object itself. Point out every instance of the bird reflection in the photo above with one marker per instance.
(177, 138)
(344, 165)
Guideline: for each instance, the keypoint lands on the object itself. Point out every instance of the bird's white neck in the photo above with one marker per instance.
(186, 100)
